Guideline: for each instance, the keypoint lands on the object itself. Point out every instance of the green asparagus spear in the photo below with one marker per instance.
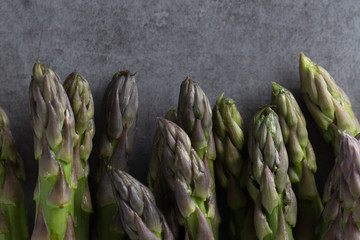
(326, 102)
(195, 117)
(157, 182)
(120, 114)
(269, 184)
(188, 179)
(139, 215)
(53, 126)
(302, 160)
(13, 220)
(79, 93)
(155, 159)
(340, 217)
(230, 167)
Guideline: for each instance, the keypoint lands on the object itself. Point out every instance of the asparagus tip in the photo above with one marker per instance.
(306, 62)
(38, 70)
(219, 98)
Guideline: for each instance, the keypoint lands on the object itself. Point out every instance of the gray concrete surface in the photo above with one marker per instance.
(236, 47)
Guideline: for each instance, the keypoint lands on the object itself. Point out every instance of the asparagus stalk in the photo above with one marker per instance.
(53, 126)
(195, 117)
(327, 102)
(79, 93)
(230, 167)
(302, 160)
(269, 184)
(13, 223)
(120, 112)
(139, 215)
(340, 217)
(188, 179)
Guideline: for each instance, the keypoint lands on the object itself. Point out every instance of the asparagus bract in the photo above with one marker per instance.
(327, 102)
(53, 126)
(188, 179)
(13, 220)
(139, 215)
(268, 183)
(230, 166)
(302, 162)
(120, 114)
(79, 93)
(340, 217)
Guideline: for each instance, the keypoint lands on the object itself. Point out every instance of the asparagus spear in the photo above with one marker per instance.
(53, 126)
(13, 223)
(157, 182)
(269, 184)
(120, 114)
(327, 103)
(195, 117)
(188, 179)
(79, 93)
(155, 159)
(230, 166)
(340, 217)
(139, 215)
(302, 162)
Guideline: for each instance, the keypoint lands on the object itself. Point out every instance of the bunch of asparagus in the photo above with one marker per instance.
(268, 174)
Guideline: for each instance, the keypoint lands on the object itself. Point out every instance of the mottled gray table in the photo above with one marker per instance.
(226, 46)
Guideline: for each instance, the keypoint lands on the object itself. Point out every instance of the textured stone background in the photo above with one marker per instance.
(226, 46)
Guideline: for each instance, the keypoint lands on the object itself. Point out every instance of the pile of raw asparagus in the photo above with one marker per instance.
(267, 172)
